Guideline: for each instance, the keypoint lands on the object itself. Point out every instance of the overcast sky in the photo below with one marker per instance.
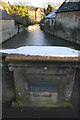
(38, 3)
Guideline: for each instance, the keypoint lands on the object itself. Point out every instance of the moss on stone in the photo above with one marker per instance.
(21, 100)
(26, 101)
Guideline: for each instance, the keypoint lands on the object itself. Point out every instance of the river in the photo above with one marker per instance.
(34, 36)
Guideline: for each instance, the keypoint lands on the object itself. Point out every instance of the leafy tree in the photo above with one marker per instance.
(4, 5)
(18, 10)
(49, 9)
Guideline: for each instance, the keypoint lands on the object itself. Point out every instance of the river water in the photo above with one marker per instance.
(34, 36)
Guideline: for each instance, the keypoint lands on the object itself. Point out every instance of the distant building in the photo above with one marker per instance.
(48, 22)
(67, 24)
(35, 14)
(50, 18)
(8, 28)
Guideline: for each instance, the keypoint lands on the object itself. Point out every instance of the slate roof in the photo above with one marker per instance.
(69, 6)
(5, 15)
(51, 15)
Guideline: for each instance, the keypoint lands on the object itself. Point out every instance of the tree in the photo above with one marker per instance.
(19, 9)
(4, 5)
(49, 9)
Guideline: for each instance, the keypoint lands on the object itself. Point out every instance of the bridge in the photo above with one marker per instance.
(41, 80)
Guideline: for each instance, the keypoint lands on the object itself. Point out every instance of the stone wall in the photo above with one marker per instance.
(8, 88)
(43, 84)
(69, 17)
(7, 29)
(48, 25)
(67, 26)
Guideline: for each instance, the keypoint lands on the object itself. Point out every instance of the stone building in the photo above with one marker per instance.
(7, 26)
(48, 22)
(67, 24)
(35, 14)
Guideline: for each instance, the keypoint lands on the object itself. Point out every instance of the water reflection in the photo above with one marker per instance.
(36, 37)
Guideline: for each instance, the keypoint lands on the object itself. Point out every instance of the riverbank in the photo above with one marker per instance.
(61, 31)
(10, 33)
(7, 34)
(34, 36)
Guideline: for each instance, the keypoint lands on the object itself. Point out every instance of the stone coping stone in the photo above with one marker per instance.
(41, 58)
(49, 53)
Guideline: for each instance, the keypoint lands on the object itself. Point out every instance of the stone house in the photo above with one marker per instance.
(7, 26)
(48, 22)
(51, 18)
(35, 13)
(67, 25)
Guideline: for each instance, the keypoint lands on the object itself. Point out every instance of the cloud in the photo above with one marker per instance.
(37, 3)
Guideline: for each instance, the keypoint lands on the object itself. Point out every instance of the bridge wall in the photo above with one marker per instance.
(8, 88)
(41, 83)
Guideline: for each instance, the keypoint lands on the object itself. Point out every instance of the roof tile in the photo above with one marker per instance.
(69, 6)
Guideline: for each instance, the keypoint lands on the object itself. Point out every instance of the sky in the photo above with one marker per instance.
(37, 3)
